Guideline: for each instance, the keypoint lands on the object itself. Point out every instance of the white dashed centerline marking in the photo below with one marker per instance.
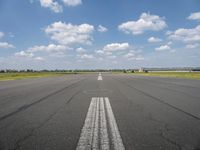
(94, 134)
(100, 77)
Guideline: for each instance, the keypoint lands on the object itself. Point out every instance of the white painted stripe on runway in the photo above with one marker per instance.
(103, 127)
(86, 137)
(94, 134)
(116, 138)
(100, 78)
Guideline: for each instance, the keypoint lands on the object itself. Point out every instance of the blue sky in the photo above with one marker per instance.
(104, 34)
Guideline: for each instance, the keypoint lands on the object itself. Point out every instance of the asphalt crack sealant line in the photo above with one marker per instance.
(94, 134)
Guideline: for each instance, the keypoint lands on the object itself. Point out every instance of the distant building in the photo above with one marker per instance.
(141, 70)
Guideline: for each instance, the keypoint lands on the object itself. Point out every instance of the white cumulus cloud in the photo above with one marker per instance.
(72, 2)
(1, 34)
(102, 28)
(154, 40)
(51, 49)
(186, 35)
(121, 51)
(39, 58)
(194, 16)
(53, 5)
(100, 52)
(191, 46)
(111, 48)
(86, 56)
(133, 55)
(6, 45)
(163, 48)
(129, 55)
(116, 47)
(80, 50)
(48, 48)
(24, 54)
(69, 34)
(144, 23)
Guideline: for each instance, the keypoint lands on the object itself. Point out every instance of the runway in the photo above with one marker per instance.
(100, 111)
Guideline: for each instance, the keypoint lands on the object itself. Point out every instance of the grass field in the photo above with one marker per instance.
(24, 75)
(190, 75)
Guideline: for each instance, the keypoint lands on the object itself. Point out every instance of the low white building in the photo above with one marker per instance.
(141, 70)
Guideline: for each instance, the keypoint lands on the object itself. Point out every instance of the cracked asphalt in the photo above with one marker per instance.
(152, 113)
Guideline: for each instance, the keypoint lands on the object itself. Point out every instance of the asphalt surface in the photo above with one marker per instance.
(49, 113)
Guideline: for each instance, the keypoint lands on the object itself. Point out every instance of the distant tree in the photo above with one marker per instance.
(29, 70)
